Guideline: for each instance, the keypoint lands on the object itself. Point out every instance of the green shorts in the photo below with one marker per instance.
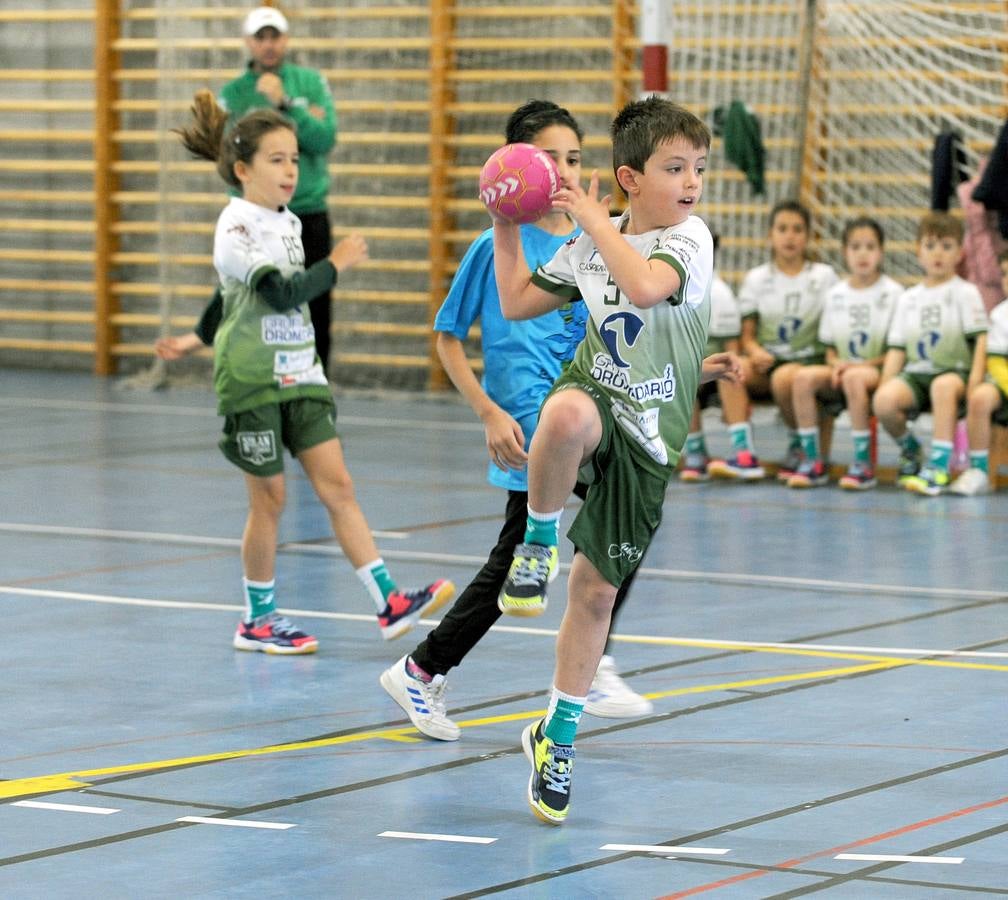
(254, 439)
(920, 386)
(623, 505)
(831, 401)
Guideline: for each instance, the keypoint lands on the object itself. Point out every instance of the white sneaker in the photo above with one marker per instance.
(611, 697)
(422, 702)
(970, 483)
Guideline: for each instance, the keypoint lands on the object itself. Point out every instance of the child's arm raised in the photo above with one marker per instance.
(519, 297)
(644, 282)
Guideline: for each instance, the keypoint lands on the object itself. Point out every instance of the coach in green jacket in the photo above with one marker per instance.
(303, 96)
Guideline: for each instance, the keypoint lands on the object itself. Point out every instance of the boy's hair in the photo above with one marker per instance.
(208, 136)
(532, 117)
(1002, 257)
(862, 222)
(790, 206)
(642, 125)
(940, 225)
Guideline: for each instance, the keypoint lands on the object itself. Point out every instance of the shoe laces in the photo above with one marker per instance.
(556, 770)
(280, 625)
(434, 695)
(531, 565)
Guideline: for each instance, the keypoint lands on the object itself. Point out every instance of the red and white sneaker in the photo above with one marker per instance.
(273, 633)
(694, 468)
(859, 477)
(741, 464)
(811, 473)
(404, 609)
(791, 464)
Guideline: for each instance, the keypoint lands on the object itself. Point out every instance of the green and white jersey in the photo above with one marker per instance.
(261, 356)
(931, 325)
(856, 322)
(645, 361)
(725, 320)
(997, 335)
(788, 308)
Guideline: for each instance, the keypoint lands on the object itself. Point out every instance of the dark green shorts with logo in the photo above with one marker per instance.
(920, 387)
(254, 439)
(623, 506)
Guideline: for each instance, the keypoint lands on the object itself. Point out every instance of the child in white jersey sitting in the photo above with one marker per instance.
(781, 302)
(853, 330)
(936, 347)
(723, 334)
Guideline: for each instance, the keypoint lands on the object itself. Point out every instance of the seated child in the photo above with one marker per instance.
(936, 343)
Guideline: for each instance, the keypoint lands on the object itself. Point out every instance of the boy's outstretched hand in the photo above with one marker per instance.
(584, 207)
(722, 367)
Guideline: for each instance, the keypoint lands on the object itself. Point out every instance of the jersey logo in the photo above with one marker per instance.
(788, 328)
(926, 343)
(625, 322)
(858, 341)
(256, 447)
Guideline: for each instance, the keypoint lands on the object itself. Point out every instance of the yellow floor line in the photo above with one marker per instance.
(823, 654)
(70, 781)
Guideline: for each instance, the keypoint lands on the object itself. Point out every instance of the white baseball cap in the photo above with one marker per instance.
(264, 17)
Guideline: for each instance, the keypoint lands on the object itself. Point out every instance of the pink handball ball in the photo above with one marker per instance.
(517, 182)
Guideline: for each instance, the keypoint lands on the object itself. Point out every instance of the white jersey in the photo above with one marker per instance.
(646, 362)
(788, 308)
(725, 319)
(931, 325)
(855, 322)
(997, 334)
(261, 356)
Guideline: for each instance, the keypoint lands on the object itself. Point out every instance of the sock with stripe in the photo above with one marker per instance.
(260, 598)
(941, 454)
(563, 716)
(543, 528)
(980, 459)
(862, 446)
(377, 581)
(741, 436)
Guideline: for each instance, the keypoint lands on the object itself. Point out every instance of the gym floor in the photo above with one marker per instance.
(828, 670)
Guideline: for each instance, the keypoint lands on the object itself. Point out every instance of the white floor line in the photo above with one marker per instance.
(886, 857)
(10, 590)
(452, 838)
(66, 807)
(449, 558)
(209, 412)
(237, 823)
(658, 848)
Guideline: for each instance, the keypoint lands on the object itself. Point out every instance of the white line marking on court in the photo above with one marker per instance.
(466, 560)
(885, 857)
(453, 838)
(209, 412)
(67, 807)
(511, 629)
(658, 848)
(237, 823)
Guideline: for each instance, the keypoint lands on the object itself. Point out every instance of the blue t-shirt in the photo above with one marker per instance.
(521, 360)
